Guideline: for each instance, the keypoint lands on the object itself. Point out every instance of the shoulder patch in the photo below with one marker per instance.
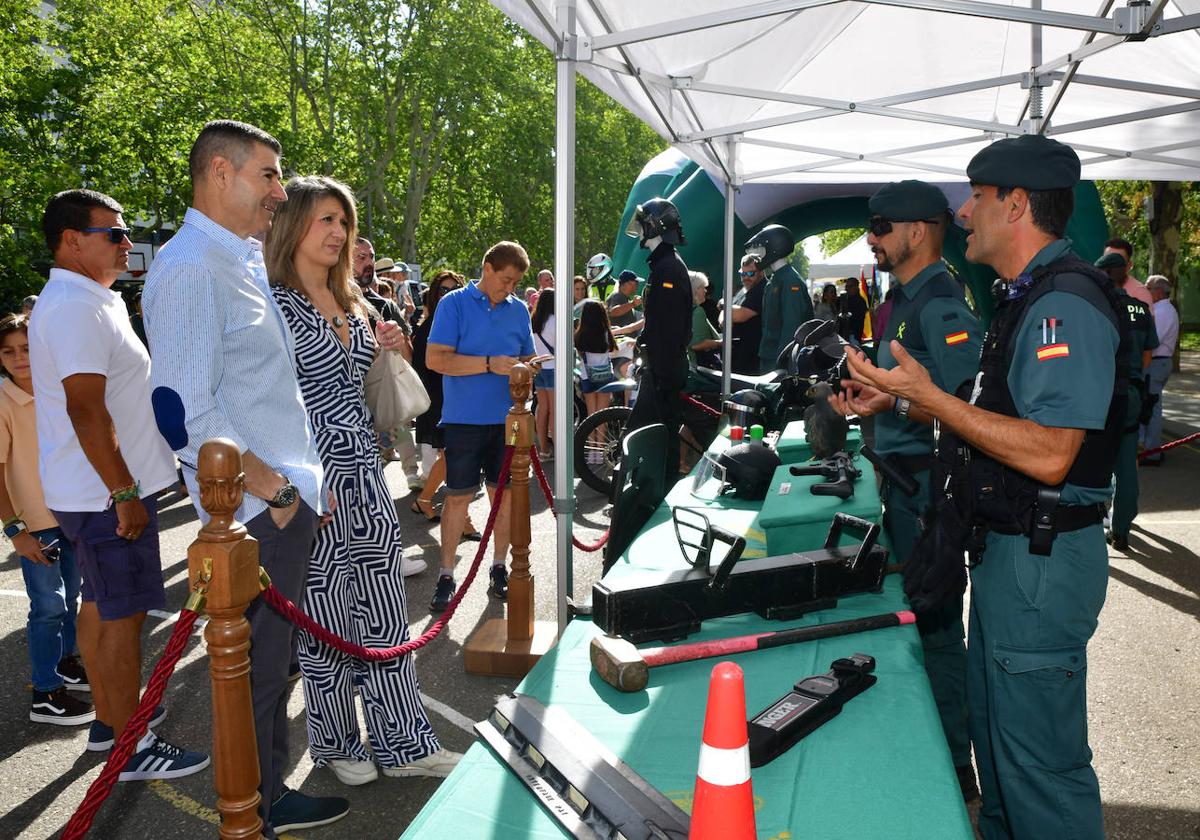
(957, 338)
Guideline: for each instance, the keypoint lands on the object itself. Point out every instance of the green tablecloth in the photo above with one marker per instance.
(880, 769)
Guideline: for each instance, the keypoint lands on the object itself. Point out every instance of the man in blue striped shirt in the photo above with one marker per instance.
(223, 367)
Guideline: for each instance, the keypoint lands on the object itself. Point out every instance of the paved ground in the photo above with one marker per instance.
(1144, 680)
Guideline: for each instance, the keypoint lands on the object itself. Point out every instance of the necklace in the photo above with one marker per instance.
(338, 322)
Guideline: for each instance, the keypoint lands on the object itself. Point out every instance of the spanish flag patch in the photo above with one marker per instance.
(1053, 351)
(668, 285)
(956, 338)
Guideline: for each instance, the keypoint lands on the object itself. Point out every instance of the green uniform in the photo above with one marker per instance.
(786, 305)
(1142, 337)
(1032, 616)
(932, 321)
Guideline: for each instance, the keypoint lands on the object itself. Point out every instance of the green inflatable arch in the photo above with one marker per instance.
(702, 206)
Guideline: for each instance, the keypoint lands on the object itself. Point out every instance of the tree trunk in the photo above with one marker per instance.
(1165, 221)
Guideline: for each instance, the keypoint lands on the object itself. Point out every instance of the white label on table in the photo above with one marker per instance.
(785, 488)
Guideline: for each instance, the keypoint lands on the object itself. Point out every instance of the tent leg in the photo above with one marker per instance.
(730, 262)
(564, 258)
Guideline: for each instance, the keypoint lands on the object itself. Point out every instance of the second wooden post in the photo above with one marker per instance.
(513, 647)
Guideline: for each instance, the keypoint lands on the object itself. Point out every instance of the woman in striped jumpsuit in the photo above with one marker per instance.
(355, 586)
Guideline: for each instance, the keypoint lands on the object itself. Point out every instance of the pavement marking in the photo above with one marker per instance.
(15, 593)
(453, 715)
(183, 802)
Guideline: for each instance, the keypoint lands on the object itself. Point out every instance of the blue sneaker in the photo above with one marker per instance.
(295, 810)
(162, 760)
(100, 736)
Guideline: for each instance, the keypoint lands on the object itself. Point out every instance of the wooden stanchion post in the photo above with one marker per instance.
(225, 551)
(513, 647)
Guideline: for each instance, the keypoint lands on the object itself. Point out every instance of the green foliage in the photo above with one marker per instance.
(833, 241)
(1125, 208)
(438, 113)
(1189, 340)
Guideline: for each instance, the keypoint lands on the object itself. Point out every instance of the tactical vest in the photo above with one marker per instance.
(999, 498)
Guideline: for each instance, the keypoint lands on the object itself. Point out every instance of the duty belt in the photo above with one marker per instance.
(1066, 518)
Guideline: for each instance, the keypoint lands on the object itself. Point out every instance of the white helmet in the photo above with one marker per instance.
(599, 267)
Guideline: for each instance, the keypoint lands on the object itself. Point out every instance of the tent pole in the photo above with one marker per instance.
(564, 257)
(730, 261)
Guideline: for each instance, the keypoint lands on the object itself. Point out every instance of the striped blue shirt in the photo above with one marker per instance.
(224, 362)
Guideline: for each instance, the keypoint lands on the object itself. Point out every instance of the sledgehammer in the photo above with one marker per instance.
(626, 668)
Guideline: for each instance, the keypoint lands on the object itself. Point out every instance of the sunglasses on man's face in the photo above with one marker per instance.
(748, 274)
(880, 226)
(115, 234)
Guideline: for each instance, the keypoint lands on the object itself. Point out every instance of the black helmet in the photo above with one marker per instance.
(747, 408)
(749, 468)
(656, 217)
(815, 349)
(774, 242)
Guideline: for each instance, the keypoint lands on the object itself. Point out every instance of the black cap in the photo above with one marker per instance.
(1112, 260)
(625, 276)
(1030, 161)
(908, 201)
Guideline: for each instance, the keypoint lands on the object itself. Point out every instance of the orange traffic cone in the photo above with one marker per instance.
(723, 807)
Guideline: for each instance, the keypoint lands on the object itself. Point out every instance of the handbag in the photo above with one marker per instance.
(601, 374)
(393, 391)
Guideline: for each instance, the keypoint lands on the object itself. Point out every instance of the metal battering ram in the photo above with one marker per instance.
(670, 605)
(592, 793)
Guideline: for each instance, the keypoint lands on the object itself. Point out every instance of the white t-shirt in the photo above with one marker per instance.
(543, 342)
(79, 326)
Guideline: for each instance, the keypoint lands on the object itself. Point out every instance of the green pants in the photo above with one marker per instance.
(1125, 499)
(1031, 619)
(941, 629)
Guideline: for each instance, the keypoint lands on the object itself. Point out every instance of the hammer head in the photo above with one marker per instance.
(619, 663)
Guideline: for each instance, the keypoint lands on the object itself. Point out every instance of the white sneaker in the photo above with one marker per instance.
(439, 764)
(410, 566)
(353, 772)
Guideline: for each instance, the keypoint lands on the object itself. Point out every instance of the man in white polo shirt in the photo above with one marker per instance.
(102, 460)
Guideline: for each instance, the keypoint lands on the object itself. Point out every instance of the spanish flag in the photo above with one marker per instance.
(957, 338)
(1053, 351)
(862, 291)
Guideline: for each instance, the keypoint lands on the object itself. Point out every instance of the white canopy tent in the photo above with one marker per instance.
(847, 262)
(835, 92)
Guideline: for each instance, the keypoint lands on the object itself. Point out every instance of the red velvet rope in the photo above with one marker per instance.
(1160, 449)
(708, 409)
(541, 477)
(99, 790)
(293, 614)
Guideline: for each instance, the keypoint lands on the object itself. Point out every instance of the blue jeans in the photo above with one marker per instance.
(53, 602)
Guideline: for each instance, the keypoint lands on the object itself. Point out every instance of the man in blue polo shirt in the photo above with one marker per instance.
(478, 334)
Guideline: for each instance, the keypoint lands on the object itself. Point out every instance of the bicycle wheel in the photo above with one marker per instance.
(596, 459)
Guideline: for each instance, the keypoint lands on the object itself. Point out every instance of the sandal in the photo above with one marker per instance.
(472, 534)
(425, 508)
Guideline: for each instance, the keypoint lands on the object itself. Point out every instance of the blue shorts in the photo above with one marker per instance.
(586, 386)
(472, 451)
(123, 578)
(544, 381)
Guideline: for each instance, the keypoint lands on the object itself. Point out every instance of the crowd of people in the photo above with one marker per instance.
(265, 312)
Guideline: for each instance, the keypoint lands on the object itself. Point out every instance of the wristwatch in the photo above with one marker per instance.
(15, 527)
(284, 497)
(901, 407)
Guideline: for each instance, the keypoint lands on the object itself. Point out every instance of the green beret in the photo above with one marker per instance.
(908, 201)
(1030, 161)
(1111, 260)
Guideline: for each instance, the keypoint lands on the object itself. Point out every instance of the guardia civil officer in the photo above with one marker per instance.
(1041, 430)
(930, 319)
(1143, 338)
(786, 301)
(667, 309)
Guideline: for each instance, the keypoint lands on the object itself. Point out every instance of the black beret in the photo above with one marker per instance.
(1030, 161)
(908, 201)
(1112, 260)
